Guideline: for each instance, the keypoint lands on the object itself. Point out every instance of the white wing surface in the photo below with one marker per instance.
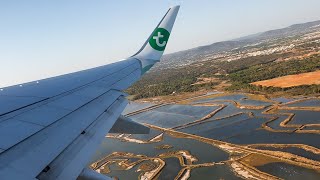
(50, 128)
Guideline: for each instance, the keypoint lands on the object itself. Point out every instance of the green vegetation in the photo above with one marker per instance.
(240, 80)
(240, 73)
(275, 69)
(164, 83)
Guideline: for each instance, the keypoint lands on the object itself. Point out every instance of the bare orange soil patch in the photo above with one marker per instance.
(292, 80)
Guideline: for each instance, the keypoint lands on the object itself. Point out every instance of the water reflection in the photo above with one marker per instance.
(210, 137)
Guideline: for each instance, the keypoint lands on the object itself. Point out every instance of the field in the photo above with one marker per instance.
(234, 66)
(292, 80)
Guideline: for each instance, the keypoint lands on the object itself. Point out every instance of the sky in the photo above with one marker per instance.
(42, 38)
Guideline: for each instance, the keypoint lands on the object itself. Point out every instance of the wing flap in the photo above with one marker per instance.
(11, 103)
(17, 131)
(40, 116)
(125, 125)
(54, 138)
(70, 163)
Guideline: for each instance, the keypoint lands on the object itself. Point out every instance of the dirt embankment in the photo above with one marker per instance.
(292, 80)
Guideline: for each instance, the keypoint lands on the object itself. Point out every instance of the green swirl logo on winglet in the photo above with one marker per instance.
(159, 39)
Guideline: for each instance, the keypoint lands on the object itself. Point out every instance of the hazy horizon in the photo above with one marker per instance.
(237, 38)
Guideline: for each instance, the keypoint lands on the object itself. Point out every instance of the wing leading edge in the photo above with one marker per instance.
(50, 128)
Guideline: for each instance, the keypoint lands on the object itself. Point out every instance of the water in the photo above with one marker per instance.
(216, 172)
(195, 111)
(171, 169)
(241, 129)
(231, 109)
(265, 137)
(116, 172)
(173, 115)
(110, 145)
(203, 152)
(232, 130)
(276, 124)
(163, 119)
(133, 106)
(232, 97)
(288, 171)
(312, 128)
(306, 103)
(296, 151)
(249, 102)
(282, 100)
(213, 124)
(304, 117)
(153, 133)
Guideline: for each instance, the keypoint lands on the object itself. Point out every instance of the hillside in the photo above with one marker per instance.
(216, 61)
(186, 57)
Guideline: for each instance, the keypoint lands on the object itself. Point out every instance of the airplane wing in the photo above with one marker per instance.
(50, 128)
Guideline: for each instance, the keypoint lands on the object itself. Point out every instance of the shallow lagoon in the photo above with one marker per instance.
(303, 117)
(212, 124)
(282, 100)
(202, 151)
(173, 115)
(195, 111)
(294, 150)
(276, 124)
(115, 171)
(171, 169)
(288, 171)
(265, 137)
(233, 130)
(133, 106)
(240, 129)
(249, 102)
(216, 172)
(145, 137)
(163, 119)
(231, 109)
(306, 103)
(311, 128)
(232, 97)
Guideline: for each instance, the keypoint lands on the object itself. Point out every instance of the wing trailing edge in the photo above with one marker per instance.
(125, 125)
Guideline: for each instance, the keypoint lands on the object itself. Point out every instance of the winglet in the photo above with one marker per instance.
(153, 48)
